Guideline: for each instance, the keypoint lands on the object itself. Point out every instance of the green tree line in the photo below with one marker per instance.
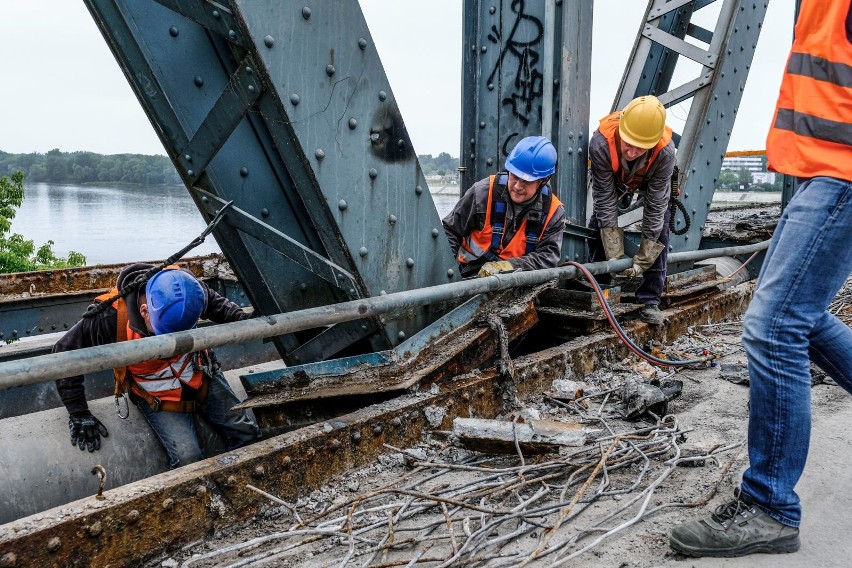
(87, 167)
(443, 164)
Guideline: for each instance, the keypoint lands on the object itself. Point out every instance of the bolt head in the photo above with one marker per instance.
(54, 544)
(95, 529)
(269, 41)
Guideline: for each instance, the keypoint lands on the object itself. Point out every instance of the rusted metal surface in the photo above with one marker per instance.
(142, 520)
(88, 278)
(458, 351)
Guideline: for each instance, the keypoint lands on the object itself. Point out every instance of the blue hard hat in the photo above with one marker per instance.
(175, 301)
(532, 158)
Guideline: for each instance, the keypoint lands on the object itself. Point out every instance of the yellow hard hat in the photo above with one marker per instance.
(643, 122)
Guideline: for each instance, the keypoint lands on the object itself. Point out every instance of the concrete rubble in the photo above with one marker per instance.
(610, 501)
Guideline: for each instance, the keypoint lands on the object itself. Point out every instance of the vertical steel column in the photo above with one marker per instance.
(526, 71)
(716, 91)
(574, 79)
(503, 65)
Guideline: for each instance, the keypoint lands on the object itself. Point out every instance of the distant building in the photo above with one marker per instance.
(750, 163)
(763, 177)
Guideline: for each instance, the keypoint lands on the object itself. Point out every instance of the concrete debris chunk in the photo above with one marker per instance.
(534, 437)
(638, 398)
(564, 389)
(734, 373)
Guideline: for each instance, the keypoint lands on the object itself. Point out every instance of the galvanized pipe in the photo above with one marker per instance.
(59, 365)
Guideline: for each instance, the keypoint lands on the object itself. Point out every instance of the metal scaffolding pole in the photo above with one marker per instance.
(59, 365)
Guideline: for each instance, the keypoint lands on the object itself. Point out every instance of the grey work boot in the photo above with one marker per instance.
(651, 314)
(737, 528)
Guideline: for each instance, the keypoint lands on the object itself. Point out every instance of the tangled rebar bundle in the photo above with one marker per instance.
(474, 512)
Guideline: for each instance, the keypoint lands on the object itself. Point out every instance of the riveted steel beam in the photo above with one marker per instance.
(241, 92)
(515, 56)
(292, 118)
(298, 253)
(214, 16)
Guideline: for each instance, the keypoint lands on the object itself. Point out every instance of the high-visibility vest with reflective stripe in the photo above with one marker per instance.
(161, 378)
(811, 133)
(164, 378)
(475, 245)
(609, 130)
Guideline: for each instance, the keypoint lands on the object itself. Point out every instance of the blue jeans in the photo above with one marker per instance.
(786, 327)
(176, 430)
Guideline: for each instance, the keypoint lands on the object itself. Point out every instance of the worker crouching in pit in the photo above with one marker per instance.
(631, 153)
(167, 391)
(512, 220)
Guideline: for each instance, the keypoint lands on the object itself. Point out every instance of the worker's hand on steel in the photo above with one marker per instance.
(86, 430)
(495, 267)
(633, 272)
(613, 242)
(648, 252)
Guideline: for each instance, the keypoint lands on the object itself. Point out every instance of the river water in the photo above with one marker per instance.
(114, 225)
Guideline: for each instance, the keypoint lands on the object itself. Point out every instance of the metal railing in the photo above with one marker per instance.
(60, 365)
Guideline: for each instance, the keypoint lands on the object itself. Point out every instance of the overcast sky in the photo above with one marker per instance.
(61, 87)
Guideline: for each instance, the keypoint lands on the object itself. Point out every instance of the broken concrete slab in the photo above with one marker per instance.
(536, 436)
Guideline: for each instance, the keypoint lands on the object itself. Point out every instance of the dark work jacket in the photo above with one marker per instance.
(101, 330)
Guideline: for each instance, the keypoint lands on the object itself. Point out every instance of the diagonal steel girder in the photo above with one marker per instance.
(284, 108)
(723, 56)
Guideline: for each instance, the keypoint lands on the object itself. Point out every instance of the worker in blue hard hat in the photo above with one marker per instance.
(632, 156)
(511, 220)
(166, 391)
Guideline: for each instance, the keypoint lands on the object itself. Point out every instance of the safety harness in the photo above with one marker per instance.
(536, 219)
(203, 365)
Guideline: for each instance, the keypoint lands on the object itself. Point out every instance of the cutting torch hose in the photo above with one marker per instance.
(707, 357)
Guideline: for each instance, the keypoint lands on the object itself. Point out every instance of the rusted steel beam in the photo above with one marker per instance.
(88, 278)
(455, 352)
(142, 520)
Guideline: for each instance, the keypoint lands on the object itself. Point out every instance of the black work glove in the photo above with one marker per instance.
(86, 430)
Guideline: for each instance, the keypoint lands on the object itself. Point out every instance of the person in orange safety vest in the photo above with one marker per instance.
(166, 391)
(511, 220)
(632, 154)
(788, 326)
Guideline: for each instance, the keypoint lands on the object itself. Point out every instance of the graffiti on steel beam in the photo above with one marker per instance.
(521, 48)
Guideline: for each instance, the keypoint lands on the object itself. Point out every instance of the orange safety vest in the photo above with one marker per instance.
(158, 382)
(488, 239)
(609, 130)
(811, 132)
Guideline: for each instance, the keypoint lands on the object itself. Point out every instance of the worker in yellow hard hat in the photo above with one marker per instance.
(633, 157)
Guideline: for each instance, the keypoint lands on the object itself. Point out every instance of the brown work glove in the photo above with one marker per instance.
(648, 252)
(495, 267)
(613, 242)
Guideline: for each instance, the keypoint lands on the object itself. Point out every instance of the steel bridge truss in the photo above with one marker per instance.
(284, 108)
(527, 69)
